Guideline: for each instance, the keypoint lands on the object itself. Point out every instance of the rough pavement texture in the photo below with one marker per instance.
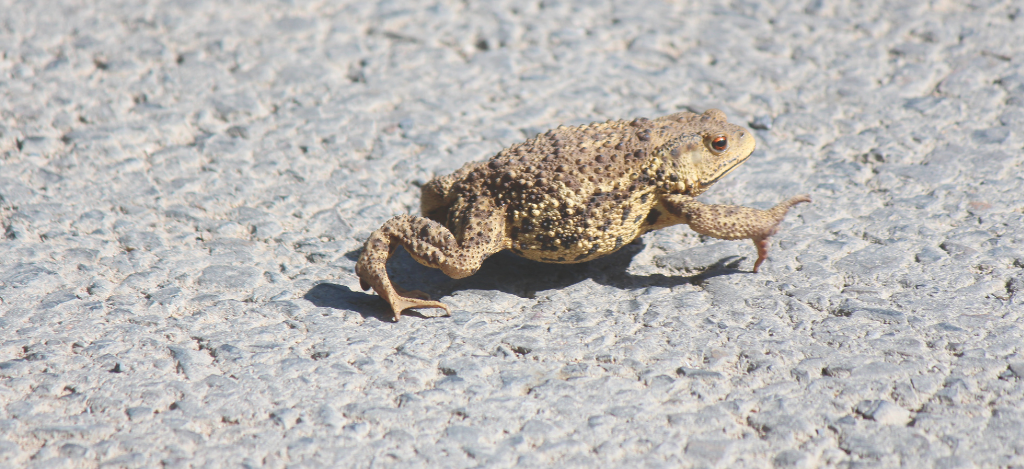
(185, 187)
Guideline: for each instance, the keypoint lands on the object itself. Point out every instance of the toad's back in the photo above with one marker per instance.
(576, 193)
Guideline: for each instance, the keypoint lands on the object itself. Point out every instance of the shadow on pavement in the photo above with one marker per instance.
(508, 273)
(329, 295)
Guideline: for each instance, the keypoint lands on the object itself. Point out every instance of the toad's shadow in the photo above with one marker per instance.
(508, 273)
(329, 295)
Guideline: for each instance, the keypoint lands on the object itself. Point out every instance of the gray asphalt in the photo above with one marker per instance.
(185, 187)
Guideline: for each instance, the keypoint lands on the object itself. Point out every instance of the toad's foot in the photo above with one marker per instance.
(419, 295)
(402, 303)
(732, 221)
(398, 301)
(776, 214)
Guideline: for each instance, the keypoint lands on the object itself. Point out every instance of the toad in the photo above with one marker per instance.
(571, 195)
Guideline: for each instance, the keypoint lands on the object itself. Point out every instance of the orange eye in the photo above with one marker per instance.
(720, 143)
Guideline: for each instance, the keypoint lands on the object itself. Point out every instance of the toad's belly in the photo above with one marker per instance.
(568, 240)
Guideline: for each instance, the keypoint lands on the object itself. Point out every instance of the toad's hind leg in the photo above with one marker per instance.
(432, 245)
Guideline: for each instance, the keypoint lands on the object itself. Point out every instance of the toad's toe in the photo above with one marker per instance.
(402, 303)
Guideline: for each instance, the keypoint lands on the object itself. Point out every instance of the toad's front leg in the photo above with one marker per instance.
(732, 221)
(432, 245)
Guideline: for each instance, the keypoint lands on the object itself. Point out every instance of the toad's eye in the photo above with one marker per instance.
(719, 143)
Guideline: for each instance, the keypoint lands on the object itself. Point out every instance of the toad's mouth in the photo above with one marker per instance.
(705, 185)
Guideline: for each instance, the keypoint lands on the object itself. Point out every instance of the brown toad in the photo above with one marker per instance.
(571, 195)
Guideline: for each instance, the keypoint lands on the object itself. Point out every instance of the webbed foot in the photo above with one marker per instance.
(776, 214)
(402, 303)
